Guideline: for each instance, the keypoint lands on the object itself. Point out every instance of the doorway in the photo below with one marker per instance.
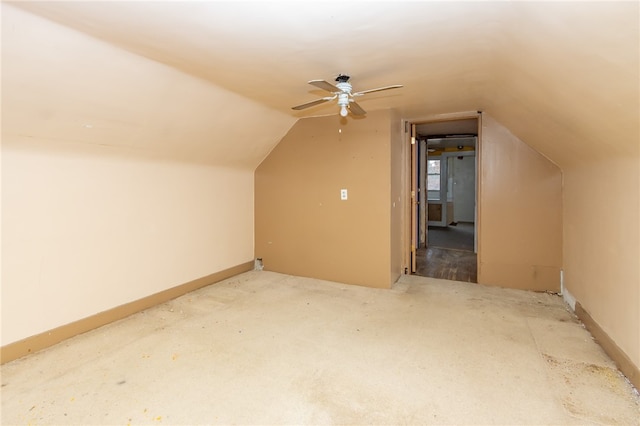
(445, 178)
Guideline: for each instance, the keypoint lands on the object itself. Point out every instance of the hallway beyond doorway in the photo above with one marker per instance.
(449, 253)
(455, 236)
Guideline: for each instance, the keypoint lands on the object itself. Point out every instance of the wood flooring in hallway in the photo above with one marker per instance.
(447, 264)
(449, 253)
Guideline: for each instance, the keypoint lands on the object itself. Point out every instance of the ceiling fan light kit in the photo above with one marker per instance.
(342, 91)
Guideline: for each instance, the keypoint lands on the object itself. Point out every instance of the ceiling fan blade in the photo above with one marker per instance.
(312, 103)
(356, 109)
(397, 86)
(324, 85)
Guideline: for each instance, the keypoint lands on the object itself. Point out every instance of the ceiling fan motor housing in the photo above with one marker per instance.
(343, 99)
(345, 93)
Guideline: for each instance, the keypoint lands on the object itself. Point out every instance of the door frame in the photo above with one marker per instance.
(413, 199)
(411, 224)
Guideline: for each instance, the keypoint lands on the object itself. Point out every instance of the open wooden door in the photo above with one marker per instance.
(414, 198)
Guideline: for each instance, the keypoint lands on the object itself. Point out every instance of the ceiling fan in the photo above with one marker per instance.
(342, 91)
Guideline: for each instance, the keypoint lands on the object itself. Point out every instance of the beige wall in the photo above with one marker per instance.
(602, 244)
(520, 213)
(302, 226)
(85, 232)
(121, 177)
(520, 200)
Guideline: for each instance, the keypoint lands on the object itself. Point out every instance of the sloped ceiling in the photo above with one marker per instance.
(562, 76)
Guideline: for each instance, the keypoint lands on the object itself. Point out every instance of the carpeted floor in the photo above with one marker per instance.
(270, 349)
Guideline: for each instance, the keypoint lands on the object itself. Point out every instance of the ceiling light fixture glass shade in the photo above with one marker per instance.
(343, 101)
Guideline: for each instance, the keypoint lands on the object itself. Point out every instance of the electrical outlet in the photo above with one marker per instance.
(343, 194)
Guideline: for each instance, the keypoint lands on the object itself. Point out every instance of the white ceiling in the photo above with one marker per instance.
(268, 51)
(544, 69)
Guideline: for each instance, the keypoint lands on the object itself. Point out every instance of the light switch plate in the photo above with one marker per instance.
(343, 194)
